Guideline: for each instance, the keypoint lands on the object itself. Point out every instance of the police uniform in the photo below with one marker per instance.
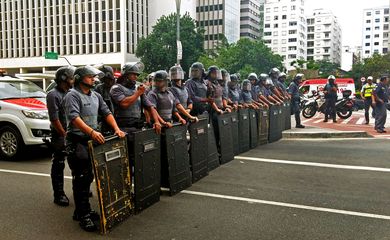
(331, 98)
(181, 93)
(247, 97)
(197, 90)
(367, 90)
(293, 90)
(235, 95)
(164, 102)
(255, 92)
(87, 107)
(381, 92)
(56, 112)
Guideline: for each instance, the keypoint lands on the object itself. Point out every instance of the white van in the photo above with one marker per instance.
(317, 85)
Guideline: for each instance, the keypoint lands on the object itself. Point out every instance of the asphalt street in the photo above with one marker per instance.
(293, 189)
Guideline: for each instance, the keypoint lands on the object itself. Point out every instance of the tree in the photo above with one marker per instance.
(375, 66)
(244, 57)
(158, 50)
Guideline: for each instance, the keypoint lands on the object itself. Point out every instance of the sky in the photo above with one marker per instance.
(349, 14)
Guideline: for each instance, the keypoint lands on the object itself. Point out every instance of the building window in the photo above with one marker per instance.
(293, 7)
(276, 33)
(377, 20)
(268, 10)
(368, 29)
(284, 16)
(276, 17)
(292, 40)
(267, 25)
(368, 14)
(376, 36)
(385, 50)
(276, 25)
(377, 12)
(368, 21)
(276, 9)
(367, 44)
(376, 43)
(367, 52)
(368, 36)
(377, 28)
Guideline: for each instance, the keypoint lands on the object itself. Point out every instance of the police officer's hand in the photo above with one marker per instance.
(194, 119)
(141, 89)
(183, 121)
(188, 110)
(228, 110)
(168, 125)
(220, 111)
(157, 128)
(97, 137)
(119, 133)
(210, 100)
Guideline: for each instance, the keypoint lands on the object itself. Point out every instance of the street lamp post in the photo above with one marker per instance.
(178, 3)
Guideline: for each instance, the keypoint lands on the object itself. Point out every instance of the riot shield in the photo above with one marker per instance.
(175, 162)
(198, 149)
(112, 176)
(243, 130)
(280, 122)
(225, 138)
(253, 128)
(213, 155)
(147, 169)
(283, 116)
(273, 124)
(263, 122)
(234, 121)
(288, 116)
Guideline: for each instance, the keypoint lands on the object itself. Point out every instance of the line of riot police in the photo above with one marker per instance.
(175, 130)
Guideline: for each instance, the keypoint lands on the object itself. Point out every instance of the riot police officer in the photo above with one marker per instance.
(255, 90)
(366, 94)
(176, 74)
(225, 90)
(281, 85)
(330, 91)
(293, 90)
(265, 95)
(246, 95)
(380, 98)
(197, 90)
(107, 81)
(82, 108)
(274, 87)
(163, 101)
(234, 93)
(64, 80)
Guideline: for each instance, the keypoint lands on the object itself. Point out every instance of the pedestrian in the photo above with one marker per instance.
(293, 90)
(197, 90)
(64, 81)
(366, 94)
(82, 108)
(380, 98)
(330, 91)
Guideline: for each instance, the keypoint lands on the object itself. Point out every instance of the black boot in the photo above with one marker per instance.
(93, 215)
(87, 224)
(61, 200)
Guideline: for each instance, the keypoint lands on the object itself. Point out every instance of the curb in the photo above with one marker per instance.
(341, 134)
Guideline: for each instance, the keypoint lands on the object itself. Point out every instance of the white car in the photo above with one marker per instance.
(24, 118)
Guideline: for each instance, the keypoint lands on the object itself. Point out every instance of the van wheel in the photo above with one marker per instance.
(11, 143)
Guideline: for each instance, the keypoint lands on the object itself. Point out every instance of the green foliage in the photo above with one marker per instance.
(245, 56)
(375, 66)
(158, 50)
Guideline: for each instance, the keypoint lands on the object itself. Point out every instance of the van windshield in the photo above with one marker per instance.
(20, 89)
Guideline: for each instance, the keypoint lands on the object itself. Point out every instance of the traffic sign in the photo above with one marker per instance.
(179, 50)
(51, 55)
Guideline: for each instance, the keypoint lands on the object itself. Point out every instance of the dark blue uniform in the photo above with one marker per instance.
(56, 112)
(87, 107)
(381, 92)
(330, 101)
(164, 102)
(293, 90)
(197, 90)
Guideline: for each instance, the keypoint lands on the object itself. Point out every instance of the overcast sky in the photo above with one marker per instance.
(349, 13)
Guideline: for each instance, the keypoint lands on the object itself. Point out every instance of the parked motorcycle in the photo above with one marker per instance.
(344, 106)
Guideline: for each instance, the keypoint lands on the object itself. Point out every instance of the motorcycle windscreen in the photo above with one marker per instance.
(253, 128)
(176, 174)
(243, 130)
(225, 138)
(198, 149)
(112, 176)
(147, 169)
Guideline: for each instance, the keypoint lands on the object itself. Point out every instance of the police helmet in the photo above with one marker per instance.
(107, 71)
(299, 77)
(246, 85)
(81, 72)
(196, 70)
(176, 73)
(134, 67)
(282, 75)
(214, 69)
(161, 75)
(263, 77)
(370, 78)
(331, 77)
(274, 71)
(253, 77)
(64, 73)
